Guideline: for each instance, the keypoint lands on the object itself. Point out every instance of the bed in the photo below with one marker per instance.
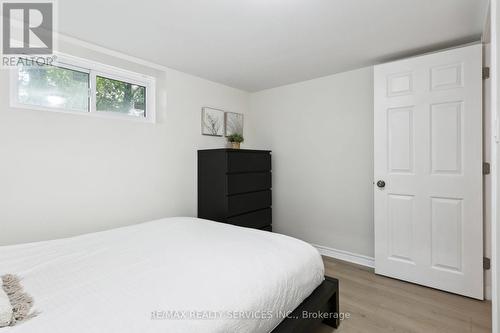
(172, 275)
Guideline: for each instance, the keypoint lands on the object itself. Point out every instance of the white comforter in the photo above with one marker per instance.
(129, 280)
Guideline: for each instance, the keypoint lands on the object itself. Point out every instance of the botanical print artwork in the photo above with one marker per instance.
(212, 122)
(234, 123)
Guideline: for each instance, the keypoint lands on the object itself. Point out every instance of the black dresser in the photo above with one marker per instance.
(234, 186)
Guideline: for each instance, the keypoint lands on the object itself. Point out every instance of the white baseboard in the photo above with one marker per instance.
(366, 261)
(355, 258)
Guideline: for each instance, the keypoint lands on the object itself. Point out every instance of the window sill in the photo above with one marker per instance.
(96, 114)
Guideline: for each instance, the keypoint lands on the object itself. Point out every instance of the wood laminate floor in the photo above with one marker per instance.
(380, 304)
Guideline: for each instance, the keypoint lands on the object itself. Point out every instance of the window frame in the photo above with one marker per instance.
(94, 69)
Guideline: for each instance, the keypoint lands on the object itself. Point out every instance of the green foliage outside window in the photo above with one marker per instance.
(118, 96)
(64, 88)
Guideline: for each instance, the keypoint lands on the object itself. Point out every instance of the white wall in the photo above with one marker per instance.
(321, 134)
(63, 175)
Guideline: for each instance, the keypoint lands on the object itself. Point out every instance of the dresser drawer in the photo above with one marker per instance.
(243, 203)
(258, 219)
(248, 182)
(248, 162)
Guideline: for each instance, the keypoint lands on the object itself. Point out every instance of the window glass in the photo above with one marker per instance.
(53, 87)
(119, 96)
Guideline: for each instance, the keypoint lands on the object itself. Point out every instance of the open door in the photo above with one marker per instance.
(428, 170)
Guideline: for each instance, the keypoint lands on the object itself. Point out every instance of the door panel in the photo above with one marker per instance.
(401, 211)
(446, 220)
(400, 140)
(446, 137)
(428, 150)
(447, 77)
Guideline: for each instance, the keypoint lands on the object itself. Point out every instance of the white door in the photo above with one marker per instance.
(428, 152)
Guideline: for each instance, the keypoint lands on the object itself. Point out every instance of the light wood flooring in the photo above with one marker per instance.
(380, 304)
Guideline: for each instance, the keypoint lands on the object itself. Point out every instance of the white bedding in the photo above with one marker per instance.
(118, 280)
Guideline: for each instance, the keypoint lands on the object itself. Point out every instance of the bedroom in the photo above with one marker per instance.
(115, 140)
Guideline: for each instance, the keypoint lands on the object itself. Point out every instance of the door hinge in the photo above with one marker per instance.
(486, 168)
(486, 263)
(486, 73)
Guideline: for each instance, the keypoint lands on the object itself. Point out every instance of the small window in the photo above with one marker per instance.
(118, 96)
(83, 87)
(53, 87)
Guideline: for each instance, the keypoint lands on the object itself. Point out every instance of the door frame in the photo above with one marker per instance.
(493, 28)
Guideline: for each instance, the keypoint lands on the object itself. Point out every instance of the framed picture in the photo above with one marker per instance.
(234, 123)
(212, 122)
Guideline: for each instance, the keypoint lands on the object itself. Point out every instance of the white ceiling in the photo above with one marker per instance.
(259, 44)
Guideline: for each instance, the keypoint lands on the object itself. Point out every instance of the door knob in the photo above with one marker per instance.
(381, 184)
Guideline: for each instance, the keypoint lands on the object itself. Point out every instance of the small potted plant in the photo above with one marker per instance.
(235, 140)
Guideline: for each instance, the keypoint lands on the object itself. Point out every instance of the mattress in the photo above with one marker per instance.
(170, 275)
